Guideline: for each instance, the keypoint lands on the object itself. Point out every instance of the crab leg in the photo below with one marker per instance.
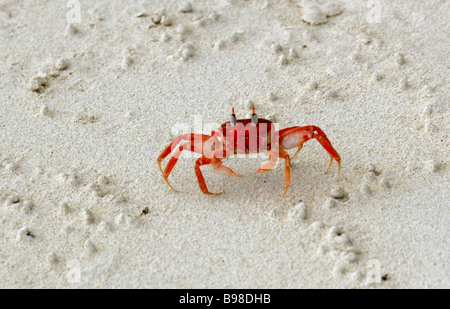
(201, 180)
(221, 169)
(325, 142)
(296, 136)
(269, 165)
(191, 137)
(285, 156)
(218, 168)
(174, 159)
(298, 150)
(273, 160)
(195, 145)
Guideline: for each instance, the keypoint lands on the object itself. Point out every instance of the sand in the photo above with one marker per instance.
(91, 92)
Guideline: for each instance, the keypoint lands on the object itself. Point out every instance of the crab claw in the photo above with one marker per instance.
(265, 167)
(212, 193)
(262, 170)
(225, 171)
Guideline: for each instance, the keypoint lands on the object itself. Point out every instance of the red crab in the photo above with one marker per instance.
(244, 136)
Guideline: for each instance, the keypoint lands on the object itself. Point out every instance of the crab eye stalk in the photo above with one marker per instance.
(233, 118)
(254, 117)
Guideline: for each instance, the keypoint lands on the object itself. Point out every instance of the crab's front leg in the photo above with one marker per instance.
(199, 174)
(221, 169)
(296, 136)
(271, 164)
(274, 155)
(287, 170)
(218, 168)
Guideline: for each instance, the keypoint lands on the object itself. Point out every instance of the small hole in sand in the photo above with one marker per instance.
(145, 211)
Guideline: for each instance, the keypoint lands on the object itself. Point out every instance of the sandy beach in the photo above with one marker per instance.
(91, 92)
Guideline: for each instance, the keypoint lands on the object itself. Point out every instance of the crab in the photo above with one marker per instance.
(244, 136)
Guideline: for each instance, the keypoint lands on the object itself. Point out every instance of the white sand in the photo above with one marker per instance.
(78, 159)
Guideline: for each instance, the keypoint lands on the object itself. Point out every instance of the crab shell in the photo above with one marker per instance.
(245, 137)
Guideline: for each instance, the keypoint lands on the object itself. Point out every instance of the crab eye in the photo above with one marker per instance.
(254, 118)
(233, 118)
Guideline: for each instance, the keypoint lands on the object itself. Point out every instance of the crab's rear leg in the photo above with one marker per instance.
(174, 159)
(195, 144)
(190, 137)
